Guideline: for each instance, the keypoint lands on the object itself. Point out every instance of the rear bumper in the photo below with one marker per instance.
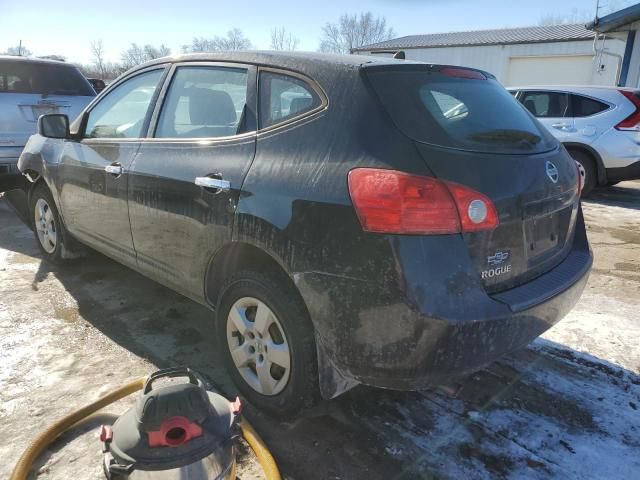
(428, 333)
(630, 172)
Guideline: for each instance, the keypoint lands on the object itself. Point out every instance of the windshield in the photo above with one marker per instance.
(457, 108)
(43, 78)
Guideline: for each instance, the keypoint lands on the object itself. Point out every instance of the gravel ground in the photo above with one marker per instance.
(566, 407)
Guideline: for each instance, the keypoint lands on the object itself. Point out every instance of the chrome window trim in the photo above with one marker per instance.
(324, 99)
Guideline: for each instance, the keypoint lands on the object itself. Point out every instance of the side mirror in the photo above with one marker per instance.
(54, 125)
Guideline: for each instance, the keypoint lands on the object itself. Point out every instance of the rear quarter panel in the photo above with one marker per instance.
(295, 203)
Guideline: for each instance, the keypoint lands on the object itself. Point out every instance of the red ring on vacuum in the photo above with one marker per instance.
(174, 431)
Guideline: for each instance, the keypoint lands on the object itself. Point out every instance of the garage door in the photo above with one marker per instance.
(569, 70)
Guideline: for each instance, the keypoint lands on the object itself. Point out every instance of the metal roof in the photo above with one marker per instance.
(616, 20)
(548, 33)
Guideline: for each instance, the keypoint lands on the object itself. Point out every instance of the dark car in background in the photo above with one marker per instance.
(30, 88)
(97, 84)
(349, 219)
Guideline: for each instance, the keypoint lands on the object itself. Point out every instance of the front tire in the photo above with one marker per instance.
(265, 334)
(50, 234)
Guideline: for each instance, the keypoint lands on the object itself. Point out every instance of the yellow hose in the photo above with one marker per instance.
(265, 458)
(42, 441)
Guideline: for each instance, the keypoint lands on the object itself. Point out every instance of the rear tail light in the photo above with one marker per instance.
(388, 201)
(632, 121)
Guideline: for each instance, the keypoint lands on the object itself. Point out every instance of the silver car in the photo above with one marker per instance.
(30, 88)
(599, 126)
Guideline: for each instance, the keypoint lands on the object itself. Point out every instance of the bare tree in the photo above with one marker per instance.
(282, 40)
(111, 70)
(352, 31)
(575, 16)
(97, 57)
(18, 51)
(156, 52)
(137, 54)
(199, 44)
(234, 40)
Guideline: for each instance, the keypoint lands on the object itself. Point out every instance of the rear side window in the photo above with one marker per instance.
(42, 79)
(283, 97)
(457, 108)
(546, 104)
(585, 106)
(203, 102)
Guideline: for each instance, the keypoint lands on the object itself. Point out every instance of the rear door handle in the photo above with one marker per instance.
(562, 126)
(114, 169)
(213, 183)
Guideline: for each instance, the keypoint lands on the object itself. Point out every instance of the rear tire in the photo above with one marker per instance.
(588, 164)
(262, 319)
(51, 236)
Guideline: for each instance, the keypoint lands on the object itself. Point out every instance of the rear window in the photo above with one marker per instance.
(547, 104)
(42, 78)
(457, 108)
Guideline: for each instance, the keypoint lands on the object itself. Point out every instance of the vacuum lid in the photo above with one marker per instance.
(172, 426)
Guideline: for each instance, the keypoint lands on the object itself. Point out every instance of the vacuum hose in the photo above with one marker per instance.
(43, 440)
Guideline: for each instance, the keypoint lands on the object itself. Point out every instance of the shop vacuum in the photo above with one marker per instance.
(177, 430)
(173, 432)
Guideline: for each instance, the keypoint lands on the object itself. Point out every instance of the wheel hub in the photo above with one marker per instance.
(258, 346)
(45, 225)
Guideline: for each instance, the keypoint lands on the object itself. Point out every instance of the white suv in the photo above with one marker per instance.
(29, 88)
(599, 126)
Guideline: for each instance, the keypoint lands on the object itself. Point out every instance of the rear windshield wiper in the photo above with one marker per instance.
(511, 136)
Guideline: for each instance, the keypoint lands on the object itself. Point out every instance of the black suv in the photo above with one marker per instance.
(349, 219)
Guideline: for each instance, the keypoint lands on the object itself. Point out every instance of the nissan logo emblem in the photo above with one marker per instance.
(552, 172)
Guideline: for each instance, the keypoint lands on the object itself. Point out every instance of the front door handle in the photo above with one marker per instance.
(217, 184)
(562, 126)
(114, 169)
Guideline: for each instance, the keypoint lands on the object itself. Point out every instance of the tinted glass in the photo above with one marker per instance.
(203, 102)
(42, 78)
(546, 104)
(452, 110)
(283, 97)
(585, 107)
(122, 112)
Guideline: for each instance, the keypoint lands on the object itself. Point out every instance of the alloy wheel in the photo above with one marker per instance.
(45, 225)
(258, 346)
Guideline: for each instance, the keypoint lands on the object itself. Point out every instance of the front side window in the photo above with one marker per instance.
(546, 104)
(122, 112)
(283, 97)
(203, 102)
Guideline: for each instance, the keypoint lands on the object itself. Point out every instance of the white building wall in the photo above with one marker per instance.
(495, 58)
(633, 76)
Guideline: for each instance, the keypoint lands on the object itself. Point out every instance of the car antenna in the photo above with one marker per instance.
(399, 55)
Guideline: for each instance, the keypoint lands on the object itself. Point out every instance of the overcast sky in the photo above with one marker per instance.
(66, 27)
